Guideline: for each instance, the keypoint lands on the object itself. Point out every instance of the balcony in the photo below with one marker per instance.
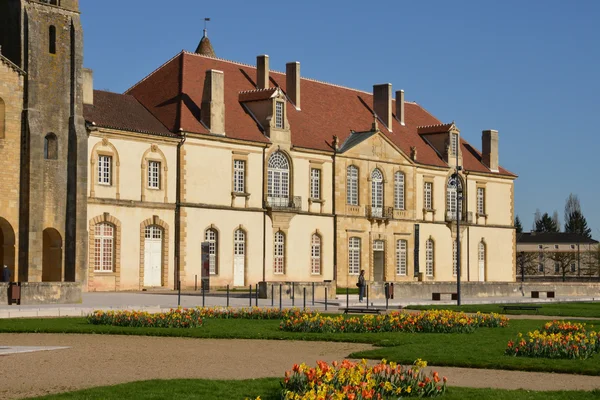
(285, 203)
(382, 213)
(464, 217)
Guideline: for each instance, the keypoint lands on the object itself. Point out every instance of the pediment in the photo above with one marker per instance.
(373, 145)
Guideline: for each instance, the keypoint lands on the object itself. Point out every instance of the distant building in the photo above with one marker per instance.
(552, 256)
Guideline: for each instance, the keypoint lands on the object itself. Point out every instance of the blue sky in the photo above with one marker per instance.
(526, 68)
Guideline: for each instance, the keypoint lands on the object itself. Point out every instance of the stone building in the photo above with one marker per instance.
(287, 178)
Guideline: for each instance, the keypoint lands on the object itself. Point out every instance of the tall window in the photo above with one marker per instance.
(454, 184)
(50, 147)
(2, 118)
(556, 267)
(315, 183)
(401, 246)
(454, 258)
(481, 259)
(454, 143)
(279, 114)
(278, 177)
(315, 254)
(354, 256)
(399, 191)
(104, 238)
(104, 170)
(573, 267)
(429, 260)
(279, 253)
(481, 201)
(212, 237)
(352, 185)
(239, 176)
(377, 193)
(154, 174)
(428, 195)
(239, 243)
(52, 39)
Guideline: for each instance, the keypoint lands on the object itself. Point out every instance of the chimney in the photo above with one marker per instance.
(292, 76)
(212, 109)
(400, 106)
(489, 144)
(382, 103)
(262, 72)
(88, 86)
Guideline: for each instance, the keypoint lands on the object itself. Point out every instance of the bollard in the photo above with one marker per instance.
(348, 297)
(313, 294)
(196, 283)
(256, 295)
(227, 296)
(272, 295)
(386, 302)
(280, 288)
(293, 295)
(367, 296)
(325, 298)
(178, 293)
(250, 296)
(304, 300)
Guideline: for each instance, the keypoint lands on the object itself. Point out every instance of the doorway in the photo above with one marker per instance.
(7, 247)
(153, 256)
(239, 257)
(52, 256)
(378, 260)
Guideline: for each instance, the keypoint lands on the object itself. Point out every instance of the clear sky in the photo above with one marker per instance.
(529, 69)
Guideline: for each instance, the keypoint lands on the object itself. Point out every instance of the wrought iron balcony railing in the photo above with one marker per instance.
(292, 203)
(380, 212)
(464, 216)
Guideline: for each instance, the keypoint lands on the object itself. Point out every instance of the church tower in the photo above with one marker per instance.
(45, 38)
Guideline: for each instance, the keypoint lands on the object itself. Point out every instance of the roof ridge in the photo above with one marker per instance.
(433, 126)
(155, 71)
(259, 90)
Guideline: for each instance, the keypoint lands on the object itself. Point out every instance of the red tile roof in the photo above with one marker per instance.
(258, 94)
(121, 111)
(173, 93)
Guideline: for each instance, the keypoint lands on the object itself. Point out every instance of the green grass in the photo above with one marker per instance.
(268, 389)
(580, 309)
(482, 349)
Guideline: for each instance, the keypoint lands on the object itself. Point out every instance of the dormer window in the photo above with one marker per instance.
(454, 143)
(279, 114)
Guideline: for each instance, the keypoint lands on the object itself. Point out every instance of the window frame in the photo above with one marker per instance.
(211, 236)
(354, 254)
(315, 183)
(102, 242)
(279, 114)
(454, 143)
(278, 177)
(401, 257)
(51, 146)
(239, 176)
(154, 174)
(429, 258)
(399, 191)
(105, 170)
(279, 253)
(428, 195)
(480, 200)
(315, 254)
(352, 185)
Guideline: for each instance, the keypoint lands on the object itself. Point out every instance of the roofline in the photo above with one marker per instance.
(153, 72)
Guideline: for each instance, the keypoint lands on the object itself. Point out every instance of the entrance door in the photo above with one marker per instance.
(153, 256)
(378, 255)
(51, 256)
(481, 259)
(239, 257)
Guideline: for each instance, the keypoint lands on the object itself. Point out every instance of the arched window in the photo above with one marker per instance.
(211, 236)
(2, 118)
(315, 254)
(278, 179)
(429, 257)
(352, 185)
(376, 193)
(481, 260)
(51, 147)
(52, 39)
(454, 184)
(401, 246)
(104, 240)
(399, 191)
(354, 256)
(279, 253)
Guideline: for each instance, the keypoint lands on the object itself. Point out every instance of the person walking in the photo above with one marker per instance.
(361, 285)
(6, 274)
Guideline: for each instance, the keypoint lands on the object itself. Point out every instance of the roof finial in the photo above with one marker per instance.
(204, 47)
(205, 24)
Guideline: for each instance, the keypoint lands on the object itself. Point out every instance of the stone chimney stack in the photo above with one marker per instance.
(212, 109)
(382, 103)
(292, 76)
(262, 72)
(400, 106)
(489, 147)
(88, 86)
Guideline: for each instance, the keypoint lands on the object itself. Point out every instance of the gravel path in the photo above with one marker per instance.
(99, 360)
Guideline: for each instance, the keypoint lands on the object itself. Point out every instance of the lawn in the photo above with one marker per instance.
(268, 389)
(579, 309)
(482, 349)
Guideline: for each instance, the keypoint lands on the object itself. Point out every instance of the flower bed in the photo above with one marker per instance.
(175, 318)
(357, 381)
(557, 339)
(251, 313)
(439, 321)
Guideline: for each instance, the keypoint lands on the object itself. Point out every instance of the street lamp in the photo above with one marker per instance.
(458, 212)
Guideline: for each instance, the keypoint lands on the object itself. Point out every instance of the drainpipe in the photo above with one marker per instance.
(178, 210)
(264, 220)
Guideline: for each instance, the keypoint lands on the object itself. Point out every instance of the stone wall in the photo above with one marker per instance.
(45, 293)
(297, 288)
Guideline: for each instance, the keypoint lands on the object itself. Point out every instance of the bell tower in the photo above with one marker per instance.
(45, 38)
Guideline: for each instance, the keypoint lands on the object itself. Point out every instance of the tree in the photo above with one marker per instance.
(536, 218)
(546, 224)
(571, 205)
(577, 224)
(563, 261)
(518, 225)
(591, 261)
(556, 220)
(527, 263)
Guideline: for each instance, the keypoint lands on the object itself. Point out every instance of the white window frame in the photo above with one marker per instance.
(239, 242)
(454, 143)
(315, 254)
(212, 237)
(480, 201)
(104, 248)
(401, 254)
(279, 253)
(154, 174)
(481, 248)
(239, 176)
(279, 114)
(315, 183)
(352, 185)
(153, 232)
(453, 205)
(399, 180)
(104, 170)
(429, 257)
(428, 195)
(278, 176)
(354, 256)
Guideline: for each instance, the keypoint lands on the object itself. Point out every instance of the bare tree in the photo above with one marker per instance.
(563, 261)
(590, 261)
(527, 263)
(572, 205)
(556, 220)
(536, 218)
